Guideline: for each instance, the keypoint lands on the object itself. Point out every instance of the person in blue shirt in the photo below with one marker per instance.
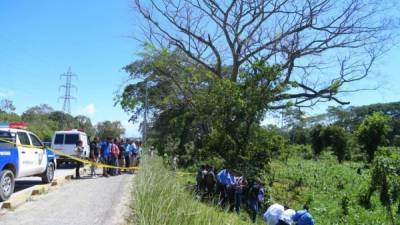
(224, 182)
(224, 177)
(128, 152)
(303, 217)
(105, 154)
(136, 153)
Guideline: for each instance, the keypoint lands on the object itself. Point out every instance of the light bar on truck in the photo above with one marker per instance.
(14, 125)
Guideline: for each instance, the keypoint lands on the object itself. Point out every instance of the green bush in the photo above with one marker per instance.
(373, 132)
(388, 151)
(301, 151)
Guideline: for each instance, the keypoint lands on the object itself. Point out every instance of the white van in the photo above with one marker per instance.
(66, 140)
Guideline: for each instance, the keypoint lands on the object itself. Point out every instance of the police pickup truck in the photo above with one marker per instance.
(22, 154)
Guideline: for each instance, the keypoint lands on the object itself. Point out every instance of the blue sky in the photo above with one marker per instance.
(40, 39)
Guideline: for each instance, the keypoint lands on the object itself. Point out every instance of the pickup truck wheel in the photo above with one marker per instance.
(7, 184)
(48, 175)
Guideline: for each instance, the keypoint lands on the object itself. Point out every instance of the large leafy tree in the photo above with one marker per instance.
(295, 122)
(84, 123)
(317, 139)
(110, 129)
(189, 105)
(38, 118)
(337, 138)
(220, 66)
(373, 132)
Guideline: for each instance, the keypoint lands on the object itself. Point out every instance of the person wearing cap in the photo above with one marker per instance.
(303, 217)
(273, 214)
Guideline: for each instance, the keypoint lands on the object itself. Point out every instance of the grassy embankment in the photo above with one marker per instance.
(159, 199)
(329, 188)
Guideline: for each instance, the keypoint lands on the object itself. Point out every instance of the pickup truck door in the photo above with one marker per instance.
(40, 154)
(26, 155)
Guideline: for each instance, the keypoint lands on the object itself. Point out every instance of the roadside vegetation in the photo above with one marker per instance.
(159, 199)
(43, 120)
(207, 85)
(333, 190)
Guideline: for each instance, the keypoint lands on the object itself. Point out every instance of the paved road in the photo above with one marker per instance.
(100, 201)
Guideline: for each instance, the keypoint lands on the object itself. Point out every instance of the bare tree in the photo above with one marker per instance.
(321, 45)
(7, 106)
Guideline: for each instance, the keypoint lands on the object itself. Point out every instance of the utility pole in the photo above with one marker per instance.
(145, 115)
(67, 90)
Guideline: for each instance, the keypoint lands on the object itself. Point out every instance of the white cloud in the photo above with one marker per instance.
(89, 109)
(4, 93)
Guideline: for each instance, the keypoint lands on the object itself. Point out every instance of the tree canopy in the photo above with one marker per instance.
(110, 129)
(373, 132)
(301, 37)
(43, 120)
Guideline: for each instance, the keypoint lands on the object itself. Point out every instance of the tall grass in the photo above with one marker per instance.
(325, 185)
(159, 199)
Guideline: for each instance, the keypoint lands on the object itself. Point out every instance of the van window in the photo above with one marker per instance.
(23, 138)
(71, 139)
(9, 137)
(59, 140)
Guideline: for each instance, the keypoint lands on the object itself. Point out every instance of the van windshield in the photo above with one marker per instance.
(5, 138)
(59, 140)
(71, 139)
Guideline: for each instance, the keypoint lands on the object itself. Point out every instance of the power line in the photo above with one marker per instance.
(67, 90)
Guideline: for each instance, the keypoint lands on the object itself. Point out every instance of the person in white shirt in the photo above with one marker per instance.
(273, 214)
(286, 217)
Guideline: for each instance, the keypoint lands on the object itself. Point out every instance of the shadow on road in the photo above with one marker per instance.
(24, 184)
(27, 182)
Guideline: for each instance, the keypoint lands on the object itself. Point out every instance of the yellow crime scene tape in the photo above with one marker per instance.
(60, 153)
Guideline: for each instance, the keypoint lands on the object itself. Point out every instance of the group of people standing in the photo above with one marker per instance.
(114, 152)
(232, 187)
